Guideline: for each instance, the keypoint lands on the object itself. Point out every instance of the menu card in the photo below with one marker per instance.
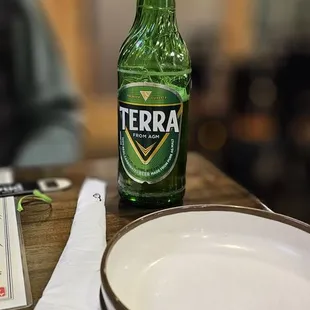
(5, 287)
(14, 282)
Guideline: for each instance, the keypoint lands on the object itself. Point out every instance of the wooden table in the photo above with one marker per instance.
(46, 232)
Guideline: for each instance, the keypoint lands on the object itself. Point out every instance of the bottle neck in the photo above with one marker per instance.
(156, 12)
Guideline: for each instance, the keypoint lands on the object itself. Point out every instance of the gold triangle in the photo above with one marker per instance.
(144, 150)
(145, 94)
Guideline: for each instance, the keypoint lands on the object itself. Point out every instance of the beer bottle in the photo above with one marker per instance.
(154, 80)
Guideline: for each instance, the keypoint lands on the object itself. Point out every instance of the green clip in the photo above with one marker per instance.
(42, 196)
(35, 195)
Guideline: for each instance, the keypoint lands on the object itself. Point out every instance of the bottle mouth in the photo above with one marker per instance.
(157, 4)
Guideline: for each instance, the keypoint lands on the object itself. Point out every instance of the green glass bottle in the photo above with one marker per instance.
(154, 77)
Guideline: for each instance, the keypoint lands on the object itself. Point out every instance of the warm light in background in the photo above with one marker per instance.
(212, 135)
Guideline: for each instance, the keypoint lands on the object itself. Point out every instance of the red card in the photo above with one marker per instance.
(2, 292)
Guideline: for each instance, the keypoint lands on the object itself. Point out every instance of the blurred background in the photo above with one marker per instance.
(250, 107)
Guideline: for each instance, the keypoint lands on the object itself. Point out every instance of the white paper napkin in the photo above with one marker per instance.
(75, 283)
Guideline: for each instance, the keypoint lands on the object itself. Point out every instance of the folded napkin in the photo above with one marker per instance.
(75, 283)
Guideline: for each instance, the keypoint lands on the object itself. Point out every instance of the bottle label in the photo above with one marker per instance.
(150, 122)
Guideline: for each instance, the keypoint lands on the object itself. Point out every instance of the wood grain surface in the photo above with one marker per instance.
(46, 230)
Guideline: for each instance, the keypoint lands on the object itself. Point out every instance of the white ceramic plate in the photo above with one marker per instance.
(209, 257)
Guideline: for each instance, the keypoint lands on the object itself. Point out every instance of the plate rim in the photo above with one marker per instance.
(116, 302)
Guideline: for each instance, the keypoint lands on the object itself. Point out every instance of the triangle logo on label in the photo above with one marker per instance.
(146, 154)
(144, 150)
(145, 94)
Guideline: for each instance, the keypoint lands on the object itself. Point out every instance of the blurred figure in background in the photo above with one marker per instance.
(38, 106)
